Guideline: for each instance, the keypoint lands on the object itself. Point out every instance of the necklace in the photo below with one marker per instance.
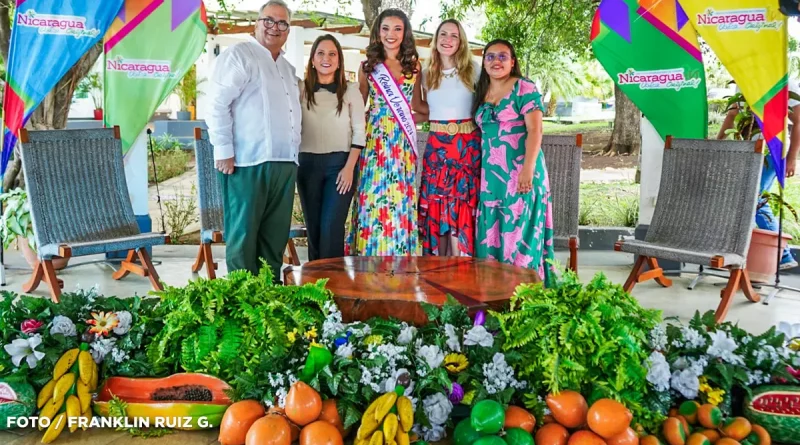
(450, 75)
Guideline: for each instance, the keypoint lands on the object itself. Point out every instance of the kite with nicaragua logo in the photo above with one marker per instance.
(17, 399)
(750, 38)
(651, 52)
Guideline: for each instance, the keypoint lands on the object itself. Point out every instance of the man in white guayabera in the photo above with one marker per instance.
(254, 125)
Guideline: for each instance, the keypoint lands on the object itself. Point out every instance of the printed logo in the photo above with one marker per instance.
(154, 69)
(671, 79)
(754, 19)
(65, 25)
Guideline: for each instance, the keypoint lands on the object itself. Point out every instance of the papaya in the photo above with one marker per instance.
(709, 416)
(698, 439)
(650, 440)
(688, 410)
(184, 395)
(736, 428)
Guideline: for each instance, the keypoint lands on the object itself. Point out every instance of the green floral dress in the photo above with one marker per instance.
(514, 228)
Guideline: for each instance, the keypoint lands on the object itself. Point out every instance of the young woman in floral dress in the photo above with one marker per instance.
(384, 220)
(515, 220)
(448, 195)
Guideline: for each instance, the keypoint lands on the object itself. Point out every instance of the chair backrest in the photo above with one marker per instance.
(708, 195)
(562, 156)
(76, 185)
(209, 191)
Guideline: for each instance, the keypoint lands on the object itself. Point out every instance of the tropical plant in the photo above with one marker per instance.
(559, 75)
(16, 220)
(187, 88)
(229, 327)
(93, 86)
(591, 339)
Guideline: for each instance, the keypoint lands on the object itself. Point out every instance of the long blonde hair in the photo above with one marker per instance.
(463, 60)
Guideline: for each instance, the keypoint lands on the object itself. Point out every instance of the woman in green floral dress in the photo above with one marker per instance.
(515, 219)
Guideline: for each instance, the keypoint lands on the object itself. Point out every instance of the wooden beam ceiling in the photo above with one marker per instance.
(355, 29)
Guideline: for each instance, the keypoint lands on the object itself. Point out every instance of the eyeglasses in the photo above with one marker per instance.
(269, 23)
(502, 57)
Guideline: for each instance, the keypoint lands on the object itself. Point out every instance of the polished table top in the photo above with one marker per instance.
(393, 286)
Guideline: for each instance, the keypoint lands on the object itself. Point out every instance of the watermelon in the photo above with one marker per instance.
(17, 399)
(777, 409)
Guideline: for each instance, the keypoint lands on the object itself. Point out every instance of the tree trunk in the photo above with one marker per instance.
(372, 8)
(551, 105)
(53, 111)
(626, 139)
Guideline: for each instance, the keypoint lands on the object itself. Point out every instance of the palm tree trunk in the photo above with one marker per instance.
(551, 105)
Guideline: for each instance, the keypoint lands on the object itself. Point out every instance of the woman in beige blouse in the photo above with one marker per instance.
(333, 134)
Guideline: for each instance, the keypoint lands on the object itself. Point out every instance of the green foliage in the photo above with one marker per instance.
(234, 328)
(78, 307)
(16, 218)
(92, 85)
(169, 164)
(590, 339)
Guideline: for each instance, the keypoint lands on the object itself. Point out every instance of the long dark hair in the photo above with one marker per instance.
(483, 82)
(408, 55)
(338, 78)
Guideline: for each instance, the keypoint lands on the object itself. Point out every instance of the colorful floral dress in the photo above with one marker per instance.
(384, 218)
(513, 228)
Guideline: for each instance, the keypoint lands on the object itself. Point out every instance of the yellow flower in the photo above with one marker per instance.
(314, 343)
(311, 333)
(103, 322)
(468, 396)
(373, 340)
(292, 336)
(455, 363)
(794, 345)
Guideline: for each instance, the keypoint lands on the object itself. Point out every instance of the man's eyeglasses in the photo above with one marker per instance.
(502, 57)
(269, 23)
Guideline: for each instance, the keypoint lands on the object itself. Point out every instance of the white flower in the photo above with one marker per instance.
(693, 338)
(498, 375)
(63, 325)
(756, 377)
(101, 348)
(686, 383)
(437, 408)
(345, 350)
(658, 374)
(433, 434)
(452, 338)
(658, 337)
(723, 346)
(333, 321)
(25, 348)
(407, 334)
(478, 335)
(768, 353)
(119, 355)
(789, 330)
(432, 355)
(362, 332)
(124, 325)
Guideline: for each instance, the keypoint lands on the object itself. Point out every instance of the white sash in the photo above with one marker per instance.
(397, 102)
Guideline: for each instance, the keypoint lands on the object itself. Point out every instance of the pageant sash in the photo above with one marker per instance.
(397, 102)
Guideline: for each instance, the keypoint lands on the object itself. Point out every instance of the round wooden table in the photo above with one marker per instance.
(366, 287)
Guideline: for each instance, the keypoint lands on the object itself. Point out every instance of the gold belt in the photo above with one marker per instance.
(452, 128)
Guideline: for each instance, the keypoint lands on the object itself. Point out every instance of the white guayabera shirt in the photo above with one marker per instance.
(255, 114)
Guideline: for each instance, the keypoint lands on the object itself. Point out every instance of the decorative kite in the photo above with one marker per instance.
(651, 52)
(47, 39)
(150, 47)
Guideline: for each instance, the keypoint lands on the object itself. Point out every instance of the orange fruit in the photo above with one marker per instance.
(320, 433)
(569, 408)
(585, 437)
(737, 428)
(551, 434)
(608, 418)
(673, 431)
(237, 420)
(709, 416)
(627, 437)
(303, 404)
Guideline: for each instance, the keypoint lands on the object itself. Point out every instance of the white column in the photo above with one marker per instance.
(136, 175)
(651, 159)
(205, 66)
(295, 50)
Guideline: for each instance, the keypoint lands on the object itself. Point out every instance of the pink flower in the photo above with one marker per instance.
(512, 139)
(526, 87)
(516, 209)
(510, 241)
(492, 236)
(507, 126)
(522, 260)
(507, 114)
(497, 156)
(30, 326)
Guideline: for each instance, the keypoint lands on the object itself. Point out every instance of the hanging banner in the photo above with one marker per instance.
(47, 39)
(750, 38)
(149, 48)
(651, 52)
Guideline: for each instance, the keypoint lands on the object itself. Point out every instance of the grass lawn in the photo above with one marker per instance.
(550, 127)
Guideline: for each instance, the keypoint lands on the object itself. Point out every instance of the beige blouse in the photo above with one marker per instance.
(323, 131)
